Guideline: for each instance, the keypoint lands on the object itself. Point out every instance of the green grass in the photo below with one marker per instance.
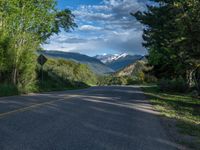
(182, 107)
(47, 86)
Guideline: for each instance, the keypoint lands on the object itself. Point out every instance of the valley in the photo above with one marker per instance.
(100, 64)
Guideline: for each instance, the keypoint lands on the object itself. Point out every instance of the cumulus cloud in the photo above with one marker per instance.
(104, 28)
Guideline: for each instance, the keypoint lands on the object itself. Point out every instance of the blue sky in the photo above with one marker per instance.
(74, 3)
(104, 26)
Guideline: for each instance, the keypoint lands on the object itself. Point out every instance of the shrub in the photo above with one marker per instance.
(132, 81)
(150, 79)
(175, 85)
(141, 77)
(8, 90)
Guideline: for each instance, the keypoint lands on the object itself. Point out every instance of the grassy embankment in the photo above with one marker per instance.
(180, 107)
(58, 75)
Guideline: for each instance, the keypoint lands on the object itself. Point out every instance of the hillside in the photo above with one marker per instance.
(129, 75)
(133, 69)
(57, 74)
(61, 74)
(94, 64)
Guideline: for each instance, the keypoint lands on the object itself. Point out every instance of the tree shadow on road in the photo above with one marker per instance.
(110, 118)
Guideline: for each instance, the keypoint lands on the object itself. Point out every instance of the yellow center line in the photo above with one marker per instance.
(31, 107)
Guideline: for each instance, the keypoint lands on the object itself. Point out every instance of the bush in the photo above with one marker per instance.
(8, 90)
(133, 81)
(141, 77)
(175, 85)
(150, 79)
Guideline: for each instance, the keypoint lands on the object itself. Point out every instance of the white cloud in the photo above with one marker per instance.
(89, 14)
(89, 28)
(112, 29)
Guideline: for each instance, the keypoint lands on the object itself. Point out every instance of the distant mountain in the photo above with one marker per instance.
(108, 58)
(117, 62)
(133, 69)
(94, 64)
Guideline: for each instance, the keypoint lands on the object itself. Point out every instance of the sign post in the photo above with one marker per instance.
(42, 60)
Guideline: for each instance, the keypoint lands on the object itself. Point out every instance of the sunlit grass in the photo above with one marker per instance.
(182, 107)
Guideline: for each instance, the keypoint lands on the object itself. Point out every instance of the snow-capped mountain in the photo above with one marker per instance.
(118, 61)
(107, 58)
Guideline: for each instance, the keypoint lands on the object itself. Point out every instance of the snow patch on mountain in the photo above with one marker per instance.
(107, 58)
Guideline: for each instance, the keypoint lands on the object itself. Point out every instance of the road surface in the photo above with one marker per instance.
(98, 118)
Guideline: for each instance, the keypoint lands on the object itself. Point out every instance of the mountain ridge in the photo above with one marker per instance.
(118, 61)
(106, 58)
(133, 69)
(94, 64)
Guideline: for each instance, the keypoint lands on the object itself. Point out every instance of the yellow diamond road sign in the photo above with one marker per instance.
(42, 60)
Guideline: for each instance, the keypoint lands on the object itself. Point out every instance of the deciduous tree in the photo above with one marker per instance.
(26, 24)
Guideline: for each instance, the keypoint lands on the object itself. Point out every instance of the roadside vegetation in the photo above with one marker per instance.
(122, 80)
(59, 74)
(24, 27)
(172, 38)
(183, 108)
(136, 73)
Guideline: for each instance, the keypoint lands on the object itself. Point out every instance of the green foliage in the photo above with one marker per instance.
(5, 57)
(59, 74)
(197, 78)
(24, 26)
(172, 37)
(141, 76)
(150, 78)
(133, 81)
(70, 70)
(175, 85)
(52, 81)
(136, 73)
(112, 80)
(123, 80)
(181, 107)
(8, 90)
(65, 20)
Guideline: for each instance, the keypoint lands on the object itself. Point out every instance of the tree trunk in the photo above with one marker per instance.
(197, 79)
(189, 76)
(14, 78)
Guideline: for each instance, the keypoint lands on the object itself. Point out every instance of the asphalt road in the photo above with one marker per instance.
(98, 118)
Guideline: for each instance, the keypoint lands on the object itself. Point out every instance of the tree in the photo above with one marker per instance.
(172, 37)
(28, 24)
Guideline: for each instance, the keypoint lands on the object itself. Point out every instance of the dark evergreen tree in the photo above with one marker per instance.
(172, 37)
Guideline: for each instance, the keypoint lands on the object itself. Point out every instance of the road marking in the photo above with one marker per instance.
(31, 107)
